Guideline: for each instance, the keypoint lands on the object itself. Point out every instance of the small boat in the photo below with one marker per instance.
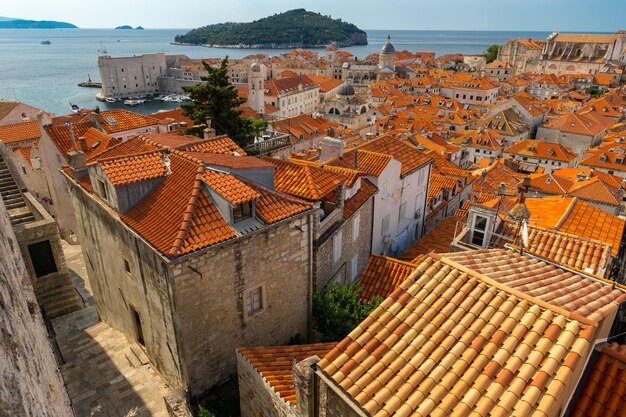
(46, 43)
(75, 107)
(110, 100)
(134, 102)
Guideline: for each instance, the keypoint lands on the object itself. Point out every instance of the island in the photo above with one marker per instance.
(125, 27)
(297, 28)
(139, 28)
(35, 24)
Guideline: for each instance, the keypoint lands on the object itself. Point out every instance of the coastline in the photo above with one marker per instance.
(265, 46)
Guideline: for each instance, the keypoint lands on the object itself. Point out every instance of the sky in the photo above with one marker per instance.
(506, 15)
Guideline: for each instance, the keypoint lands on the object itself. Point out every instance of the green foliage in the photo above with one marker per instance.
(492, 53)
(596, 92)
(219, 100)
(296, 28)
(203, 412)
(338, 311)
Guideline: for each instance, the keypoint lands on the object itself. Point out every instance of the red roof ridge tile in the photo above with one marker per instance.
(189, 210)
(566, 213)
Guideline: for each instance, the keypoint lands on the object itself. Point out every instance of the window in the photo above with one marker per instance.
(402, 211)
(337, 240)
(479, 230)
(126, 266)
(385, 225)
(254, 301)
(356, 223)
(242, 211)
(354, 268)
(102, 188)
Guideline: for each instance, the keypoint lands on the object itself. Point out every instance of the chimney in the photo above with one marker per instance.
(303, 376)
(82, 143)
(208, 132)
(356, 158)
(331, 148)
(339, 195)
(72, 138)
(166, 162)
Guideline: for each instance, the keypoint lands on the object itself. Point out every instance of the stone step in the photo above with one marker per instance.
(136, 356)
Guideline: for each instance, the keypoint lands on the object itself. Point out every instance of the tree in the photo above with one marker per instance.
(338, 311)
(216, 98)
(492, 53)
(596, 92)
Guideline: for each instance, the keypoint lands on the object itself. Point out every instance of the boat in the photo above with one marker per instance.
(46, 43)
(110, 100)
(134, 102)
(75, 107)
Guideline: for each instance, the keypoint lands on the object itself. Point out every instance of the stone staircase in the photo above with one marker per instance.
(136, 355)
(57, 296)
(19, 213)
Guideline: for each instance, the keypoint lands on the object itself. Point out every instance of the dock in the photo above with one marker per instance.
(90, 84)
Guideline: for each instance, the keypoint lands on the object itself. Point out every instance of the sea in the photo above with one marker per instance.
(47, 76)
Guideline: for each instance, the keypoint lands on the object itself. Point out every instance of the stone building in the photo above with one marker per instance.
(37, 236)
(292, 95)
(191, 252)
(31, 382)
(575, 53)
(346, 107)
(342, 237)
(523, 55)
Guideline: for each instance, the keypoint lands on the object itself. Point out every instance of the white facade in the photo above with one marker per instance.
(399, 208)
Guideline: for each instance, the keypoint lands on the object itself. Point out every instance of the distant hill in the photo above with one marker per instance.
(128, 27)
(35, 24)
(293, 29)
(4, 19)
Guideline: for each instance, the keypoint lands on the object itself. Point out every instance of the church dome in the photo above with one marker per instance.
(255, 67)
(346, 90)
(388, 48)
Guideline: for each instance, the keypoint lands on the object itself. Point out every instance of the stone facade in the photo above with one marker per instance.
(354, 235)
(31, 382)
(192, 312)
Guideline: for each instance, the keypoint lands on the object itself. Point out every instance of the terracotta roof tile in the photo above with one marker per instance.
(133, 168)
(19, 132)
(305, 181)
(546, 282)
(128, 147)
(275, 364)
(178, 216)
(60, 135)
(604, 393)
(382, 275)
(120, 120)
(25, 152)
(438, 239)
(352, 204)
(230, 161)
(229, 187)
(274, 206)
(542, 150)
(371, 163)
(219, 144)
(410, 158)
(450, 341)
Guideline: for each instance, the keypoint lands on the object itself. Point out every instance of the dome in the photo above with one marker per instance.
(255, 67)
(388, 48)
(346, 90)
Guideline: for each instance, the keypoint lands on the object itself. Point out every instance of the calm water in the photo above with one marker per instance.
(46, 76)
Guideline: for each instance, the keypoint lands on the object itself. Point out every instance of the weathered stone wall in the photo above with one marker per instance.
(331, 404)
(326, 268)
(211, 299)
(107, 243)
(257, 398)
(31, 384)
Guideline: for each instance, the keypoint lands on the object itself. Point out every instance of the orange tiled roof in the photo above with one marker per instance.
(305, 181)
(564, 249)
(382, 275)
(410, 158)
(275, 364)
(178, 216)
(120, 120)
(273, 206)
(558, 287)
(542, 150)
(60, 135)
(173, 115)
(230, 161)
(371, 163)
(585, 38)
(439, 183)
(438, 239)
(604, 393)
(134, 145)
(219, 144)
(133, 168)
(19, 132)
(450, 341)
(229, 187)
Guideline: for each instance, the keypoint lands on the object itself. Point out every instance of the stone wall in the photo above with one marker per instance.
(326, 268)
(211, 304)
(108, 245)
(31, 383)
(257, 397)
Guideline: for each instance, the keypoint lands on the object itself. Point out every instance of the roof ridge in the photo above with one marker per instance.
(132, 155)
(395, 260)
(520, 294)
(188, 214)
(566, 214)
